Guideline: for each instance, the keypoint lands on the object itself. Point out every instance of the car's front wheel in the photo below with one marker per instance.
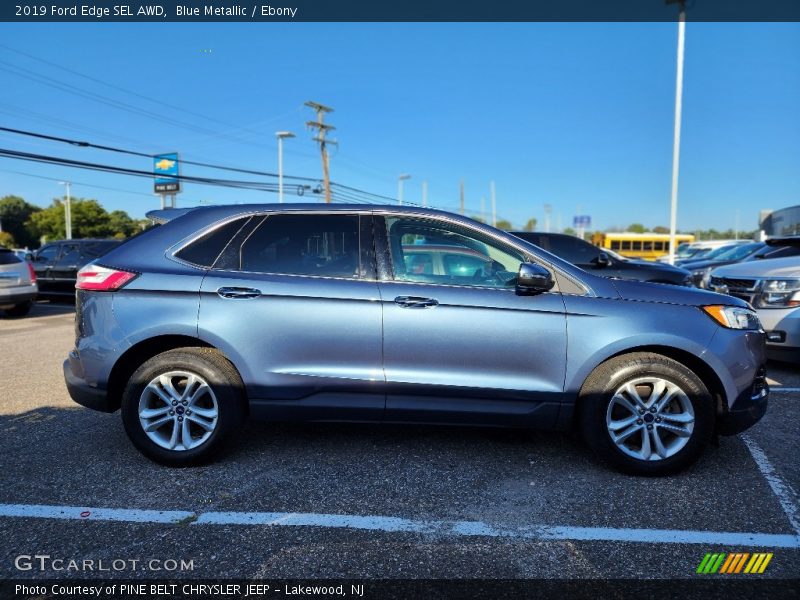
(179, 406)
(646, 414)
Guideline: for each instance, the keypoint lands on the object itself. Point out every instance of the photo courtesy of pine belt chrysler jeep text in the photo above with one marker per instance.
(383, 314)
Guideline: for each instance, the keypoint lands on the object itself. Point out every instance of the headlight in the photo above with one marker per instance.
(780, 293)
(701, 276)
(733, 317)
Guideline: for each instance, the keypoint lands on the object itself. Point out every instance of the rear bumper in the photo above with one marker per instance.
(17, 296)
(748, 408)
(84, 394)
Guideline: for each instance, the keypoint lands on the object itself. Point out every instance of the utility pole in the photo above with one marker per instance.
(461, 194)
(424, 193)
(493, 200)
(483, 209)
(736, 232)
(548, 208)
(68, 209)
(281, 135)
(400, 180)
(676, 144)
(321, 138)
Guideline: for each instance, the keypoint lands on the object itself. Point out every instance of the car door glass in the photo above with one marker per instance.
(430, 251)
(70, 256)
(318, 245)
(47, 254)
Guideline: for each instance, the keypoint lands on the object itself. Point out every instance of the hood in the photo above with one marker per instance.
(788, 266)
(642, 291)
(657, 266)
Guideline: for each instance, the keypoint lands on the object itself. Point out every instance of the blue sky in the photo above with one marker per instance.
(578, 116)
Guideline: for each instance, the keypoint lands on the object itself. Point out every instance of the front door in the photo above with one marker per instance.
(459, 344)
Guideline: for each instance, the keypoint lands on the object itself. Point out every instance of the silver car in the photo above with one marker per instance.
(18, 287)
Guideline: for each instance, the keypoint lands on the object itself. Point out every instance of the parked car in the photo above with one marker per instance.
(604, 262)
(776, 248)
(18, 287)
(772, 286)
(57, 263)
(699, 250)
(305, 312)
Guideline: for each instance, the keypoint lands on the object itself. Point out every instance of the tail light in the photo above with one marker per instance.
(32, 272)
(102, 279)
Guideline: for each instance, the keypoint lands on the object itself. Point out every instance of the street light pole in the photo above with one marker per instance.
(281, 135)
(676, 147)
(400, 181)
(68, 209)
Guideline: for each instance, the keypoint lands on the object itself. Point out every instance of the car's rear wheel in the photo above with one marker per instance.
(19, 310)
(646, 414)
(181, 405)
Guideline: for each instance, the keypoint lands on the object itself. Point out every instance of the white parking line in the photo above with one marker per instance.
(786, 495)
(783, 389)
(397, 524)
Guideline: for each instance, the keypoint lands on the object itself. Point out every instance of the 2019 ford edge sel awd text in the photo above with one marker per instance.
(305, 312)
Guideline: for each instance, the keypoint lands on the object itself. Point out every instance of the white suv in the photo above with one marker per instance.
(17, 284)
(772, 287)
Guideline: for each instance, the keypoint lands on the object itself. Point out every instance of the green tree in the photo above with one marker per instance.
(7, 240)
(660, 229)
(636, 228)
(569, 231)
(14, 216)
(89, 219)
(530, 225)
(503, 224)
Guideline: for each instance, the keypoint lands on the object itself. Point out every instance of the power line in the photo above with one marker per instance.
(84, 144)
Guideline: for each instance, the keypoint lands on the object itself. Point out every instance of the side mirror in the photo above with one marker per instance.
(533, 279)
(602, 260)
(29, 257)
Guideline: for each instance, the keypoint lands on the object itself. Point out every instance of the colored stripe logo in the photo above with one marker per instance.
(734, 563)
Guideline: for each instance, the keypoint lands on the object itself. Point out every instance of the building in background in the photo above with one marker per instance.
(785, 221)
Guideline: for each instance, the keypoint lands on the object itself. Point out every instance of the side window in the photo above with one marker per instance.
(319, 245)
(615, 245)
(47, 254)
(573, 249)
(70, 255)
(626, 245)
(95, 250)
(430, 251)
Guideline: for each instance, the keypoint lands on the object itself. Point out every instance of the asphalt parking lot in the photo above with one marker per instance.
(309, 501)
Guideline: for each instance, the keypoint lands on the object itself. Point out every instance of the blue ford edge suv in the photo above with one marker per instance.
(395, 314)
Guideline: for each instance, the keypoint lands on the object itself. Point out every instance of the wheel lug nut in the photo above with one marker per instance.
(649, 428)
(180, 418)
(174, 403)
(184, 402)
(658, 419)
(188, 412)
(172, 413)
(641, 411)
(639, 421)
(652, 409)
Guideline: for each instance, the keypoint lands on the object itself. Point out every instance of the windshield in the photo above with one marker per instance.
(738, 252)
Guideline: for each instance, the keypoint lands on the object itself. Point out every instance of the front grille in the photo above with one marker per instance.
(743, 285)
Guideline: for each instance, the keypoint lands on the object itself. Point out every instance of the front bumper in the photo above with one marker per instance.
(84, 394)
(748, 408)
(783, 332)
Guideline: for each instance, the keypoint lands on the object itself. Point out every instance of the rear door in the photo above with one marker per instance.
(64, 271)
(294, 301)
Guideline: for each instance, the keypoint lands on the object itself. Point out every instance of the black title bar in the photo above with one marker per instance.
(396, 10)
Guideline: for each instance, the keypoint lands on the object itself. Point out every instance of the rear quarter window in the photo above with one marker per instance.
(8, 258)
(204, 250)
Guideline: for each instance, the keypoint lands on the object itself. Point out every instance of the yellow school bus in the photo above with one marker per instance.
(639, 245)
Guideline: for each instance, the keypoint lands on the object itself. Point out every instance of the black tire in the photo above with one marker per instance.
(19, 310)
(221, 377)
(599, 388)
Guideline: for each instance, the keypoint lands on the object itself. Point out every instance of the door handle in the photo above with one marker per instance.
(415, 302)
(238, 292)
